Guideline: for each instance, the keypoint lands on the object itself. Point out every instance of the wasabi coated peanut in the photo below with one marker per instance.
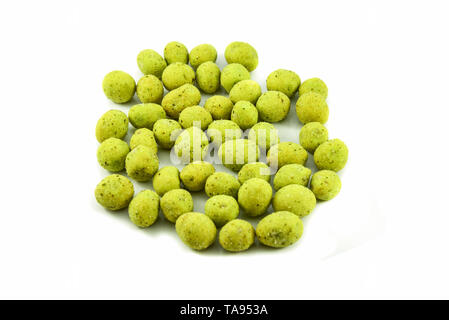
(151, 62)
(325, 184)
(291, 174)
(195, 115)
(255, 196)
(222, 183)
(201, 54)
(331, 155)
(247, 90)
(165, 131)
(112, 124)
(144, 137)
(220, 107)
(141, 163)
(296, 199)
(145, 115)
(177, 74)
(254, 170)
(195, 174)
(191, 145)
(285, 81)
(286, 153)
(175, 203)
(111, 154)
(312, 135)
(196, 230)
(221, 209)
(312, 107)
(243, 53)
(208, 77)
(313, 85)
(114, 192)
(119, 86)
(144, 208)
(273, 106)
(237, 235)
(150, 89)
(176, 52)
(235, 153)
(279, 229)
(166, 179)
(177, 100)
(264, 134)
(233, 73)
(220, 131)
(244, 114)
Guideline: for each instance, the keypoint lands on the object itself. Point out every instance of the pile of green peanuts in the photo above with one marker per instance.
(170, 117)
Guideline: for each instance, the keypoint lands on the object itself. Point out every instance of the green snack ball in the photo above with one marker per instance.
(222, 183)
(247, 90)
(165, 131)
(255, 196)
(190, 115)
(201, 54)
(221, 209)
(145, 115)
(151, 62)
(254, 170)
(112, 124)
(264, 134)
(237, 235)
(291, 174)
(208, 77)
(111, 154)
(220, 107)
(273, 106)
(119, 86)
(313, 85)
(166, 179)
(175, 203)
(312, 107)
(286, 153)
(233, 73)
(144, 208)
(176, 52)
(177, 74)
(243, 53)
(235, 153)
(114, 192)
(177, 100)
(144, 137)
(220, 131)
(312, 135)
(196, 230)
(296, 199)
(244, 114)
(150, 89)
(331, 155)
(195, 174)
(191, 145)
(285, 81)
(279, 229)
(141, 163)
(325, 184)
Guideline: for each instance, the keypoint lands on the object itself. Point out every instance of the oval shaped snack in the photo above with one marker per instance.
(279, 229)
(296, 199)
(141, 163)
(191, 145)
(202, 53)
(313, 85)
(254, 170)
(143, 137)
(208, 77)
(165, 132)
(195, 174)
(195, 116)
(244, 114)
(112, 124)
(331, 155)
(254, 196)
(222, 183)
(291, 174)
(312, 135)
(119, 86)
(114, 192)
(143, 210)
(196, 230)
(220, 107)
(285, 81)
(237, 235)
(145, 115)
(312, 107)
(177, 100)
(246, 90)
(235, 153)
(264, 134)
(325, 184)
(166, 179)
(273, 106)
(220, 131)
(243, 53)
(111, 154)
(233, 73)
(286, 153)
(176, 52)
(221, 209)
(175, 203)
(150, 89)
(176, 75)
(151, 62)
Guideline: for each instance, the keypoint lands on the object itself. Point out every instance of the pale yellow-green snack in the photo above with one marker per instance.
(237, 235)
(196, 230)
(286, 153)
(114, 192)
(166, 179)
(177, 100)
(220, 131)
(222, 183)
(296, 199)
(312, 135)
(331, 155)
(176, 52)
(191, 145)
(285, 81)
(194, 116)
(279, 229)
(165, 131)
(145, 115)
(144, 208)
(246, 90)
(233, 73)
(220, 107)
(111, 154)
(195, 174)
(150, 89)
(201, 54)
(264, 134)
(273, 106)
(208, 77)
(312, 107)
(244, 114)
(112, 124)
(175, 203)
(255, 196)
(144, 137)
(177, 74)
(313, 85)
(235, 153)
(151, 62)
(291, 174)
(141, 163)
(325, 184)
(254, 170)
(119, 86)
(243, 53)
(221, 209)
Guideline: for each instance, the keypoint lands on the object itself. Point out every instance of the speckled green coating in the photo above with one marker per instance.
(196, 230)
(244, 114)
(296, 199)
(222, 183)
(201, 54)
(255, 196)
(331, 155)
(279, 229)
(176, 75)
(237, 235)
(233, 73)
(191, 145)
(151, 62)
(175, 203)
(144, 208)
(177, 100)
(264, 134)
(235, 153)
(176, 52)
(119, 86)
(246, 90)
(312, 107)
(243, 53)
(291, 174)
(287, 153)
(150, 89)
(195, 174)
(208, 77)
(254, 170)
(220, 107)
(273, 106)
(163, 130)
(166, 179)
(285, 81)
(313, 85)
(143, 137)
(312, 135)
(145, 115)
(141, 163)
(190, 115)
(220, 131)
(325, 184)
(112, 124)
(111, 154)
(114, 192)
(221, 209)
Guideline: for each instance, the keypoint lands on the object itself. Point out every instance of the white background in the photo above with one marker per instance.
(384, 236)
